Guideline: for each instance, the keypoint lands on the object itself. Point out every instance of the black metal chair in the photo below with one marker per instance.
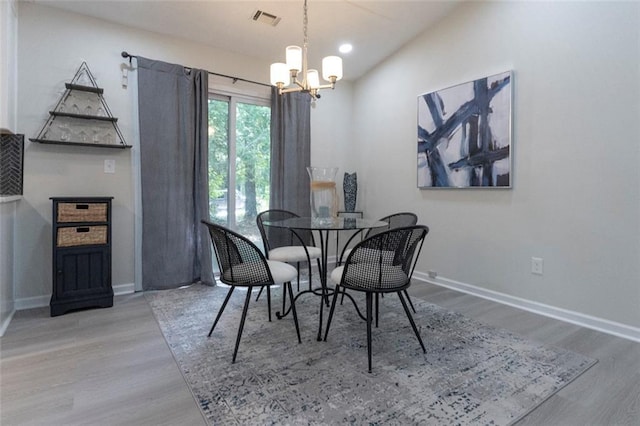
(242, 264)
(286, 245)
(396, 220)
(382, 263)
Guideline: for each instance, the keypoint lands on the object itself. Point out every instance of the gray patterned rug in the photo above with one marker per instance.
(471, 373)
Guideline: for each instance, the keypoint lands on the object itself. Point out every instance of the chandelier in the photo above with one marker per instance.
(285, 75)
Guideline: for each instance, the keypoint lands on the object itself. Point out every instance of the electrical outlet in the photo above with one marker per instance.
(432, 274)
(536, 265)
(109, 166)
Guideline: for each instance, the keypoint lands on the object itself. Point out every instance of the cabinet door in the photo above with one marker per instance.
(82, 272)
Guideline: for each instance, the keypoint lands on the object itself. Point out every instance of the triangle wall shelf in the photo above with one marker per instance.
(82, 117)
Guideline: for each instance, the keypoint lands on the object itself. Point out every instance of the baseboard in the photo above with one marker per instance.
(32, 302)
(5, 323)
(587, 321)
(41, 301)
(120, 289)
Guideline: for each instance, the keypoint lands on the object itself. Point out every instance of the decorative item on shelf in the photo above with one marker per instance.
(285, 75)
(84, 79)
(350, 188)
(79, 109)
(324, 199)
(108, 138)
(11, 163)
(65, 133)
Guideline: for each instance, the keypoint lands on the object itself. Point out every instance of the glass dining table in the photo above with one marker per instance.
(323, 226)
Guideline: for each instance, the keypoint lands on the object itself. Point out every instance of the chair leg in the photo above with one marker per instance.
(369, 321)
(284, 300)
(298, 269)
(244, 316)
(333, 307)
(259, 293)
(406, 293)
(319, 272)
(224, 304)
(377, 307)
(268, 300)
(413, 324)
(293, 309)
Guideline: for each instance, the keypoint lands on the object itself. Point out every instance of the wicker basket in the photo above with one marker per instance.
(81, 236)
(82, 212)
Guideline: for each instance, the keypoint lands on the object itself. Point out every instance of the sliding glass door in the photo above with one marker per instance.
(239, 150)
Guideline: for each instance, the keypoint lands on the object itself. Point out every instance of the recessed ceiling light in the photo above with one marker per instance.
(345, 48)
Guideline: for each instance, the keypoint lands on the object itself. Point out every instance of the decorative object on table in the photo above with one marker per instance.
(11, 163)
(324, 198)
(81, 111)
(471, 374)
(350, 188)
(464, 135)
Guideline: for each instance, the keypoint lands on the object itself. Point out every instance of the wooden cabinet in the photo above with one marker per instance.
(81, 253)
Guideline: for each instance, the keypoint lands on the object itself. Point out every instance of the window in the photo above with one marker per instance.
(239, 160)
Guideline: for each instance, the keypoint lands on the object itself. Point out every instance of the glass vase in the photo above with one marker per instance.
(324, 198)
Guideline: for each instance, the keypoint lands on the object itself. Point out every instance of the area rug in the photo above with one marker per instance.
(471, 374)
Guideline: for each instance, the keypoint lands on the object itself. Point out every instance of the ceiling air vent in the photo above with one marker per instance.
(265, 18)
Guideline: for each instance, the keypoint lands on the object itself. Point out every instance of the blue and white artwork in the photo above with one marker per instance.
(464, 135)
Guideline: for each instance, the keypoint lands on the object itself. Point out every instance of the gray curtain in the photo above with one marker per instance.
(290, 151)
(173, 115)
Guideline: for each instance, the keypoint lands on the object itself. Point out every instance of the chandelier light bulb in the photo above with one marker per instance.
(294, 58)
(313, 79)
(279, 74)
(332, 68)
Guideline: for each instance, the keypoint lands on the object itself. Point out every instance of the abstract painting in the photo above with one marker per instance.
(464, 135)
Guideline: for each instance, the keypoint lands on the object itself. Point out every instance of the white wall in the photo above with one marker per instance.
(575, 198)
(52, 45)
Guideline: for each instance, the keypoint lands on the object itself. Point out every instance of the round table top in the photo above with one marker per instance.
(329, 223)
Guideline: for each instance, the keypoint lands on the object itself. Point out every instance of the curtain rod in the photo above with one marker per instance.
(127, 55)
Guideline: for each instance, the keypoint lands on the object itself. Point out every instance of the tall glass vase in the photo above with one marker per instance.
(324, 198)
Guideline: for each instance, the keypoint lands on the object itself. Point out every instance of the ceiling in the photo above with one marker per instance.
(375, 28)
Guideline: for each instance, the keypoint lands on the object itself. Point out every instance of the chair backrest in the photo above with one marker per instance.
(273, 237)
(385, 261)
(240, 261)
(396, 220)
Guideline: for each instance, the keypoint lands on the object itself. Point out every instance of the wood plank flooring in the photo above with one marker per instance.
(113, 367)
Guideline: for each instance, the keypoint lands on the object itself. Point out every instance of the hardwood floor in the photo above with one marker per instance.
(112, 366)
(93, 367)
